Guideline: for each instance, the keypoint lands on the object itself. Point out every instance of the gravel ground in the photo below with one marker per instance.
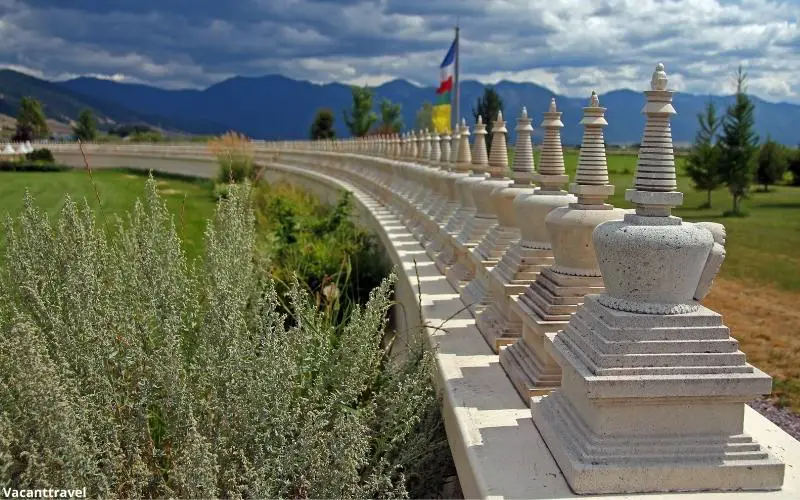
(784, 418)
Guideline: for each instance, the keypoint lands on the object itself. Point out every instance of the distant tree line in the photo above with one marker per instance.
(361, 120)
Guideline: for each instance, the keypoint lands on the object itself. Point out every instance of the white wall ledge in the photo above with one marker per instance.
(497, 450)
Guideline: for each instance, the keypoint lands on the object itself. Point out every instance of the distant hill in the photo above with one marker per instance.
(63, 105)
(276, 107)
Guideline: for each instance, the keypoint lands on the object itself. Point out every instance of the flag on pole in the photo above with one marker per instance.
(442, 107)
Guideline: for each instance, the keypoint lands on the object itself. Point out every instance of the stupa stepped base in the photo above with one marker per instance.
(554, 297)
(476, 295)
(443, 216)
(437, 208)
(498, 328)
(542, 312)
(457, 221)
(417, 225)
(652, 403)
(494, 245)
(448, 257)
(596, 464)
(429, 232)
(475, 229)
(521, 263)
(529, 378)
(462, 271)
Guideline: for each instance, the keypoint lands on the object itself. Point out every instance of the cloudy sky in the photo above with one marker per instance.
(570, 46)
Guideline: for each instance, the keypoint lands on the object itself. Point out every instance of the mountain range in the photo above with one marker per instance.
(277, 107)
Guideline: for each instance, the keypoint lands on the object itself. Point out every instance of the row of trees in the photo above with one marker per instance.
(726, 151)
(32, 123)
(361, 120)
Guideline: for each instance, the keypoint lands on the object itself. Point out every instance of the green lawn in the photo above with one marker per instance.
(190, 200)
(762, 247)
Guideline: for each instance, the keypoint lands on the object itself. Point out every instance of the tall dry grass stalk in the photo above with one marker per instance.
(235, 154)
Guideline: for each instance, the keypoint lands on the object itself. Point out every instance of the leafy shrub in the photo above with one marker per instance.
(148, 136)
(133, 372)
(319, 244)
(41, 155)
(234, 153)
(31, 166)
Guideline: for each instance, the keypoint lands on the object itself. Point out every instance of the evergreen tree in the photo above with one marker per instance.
(424, 118)
(702, 165)
(771, 164)
(322, 127)
(391, 117)
(489, 105)
(361, 118)
(31, 122)
(86, 128)
(794, 166)
(738, 144)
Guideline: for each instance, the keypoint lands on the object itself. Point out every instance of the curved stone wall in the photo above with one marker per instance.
(497, 448)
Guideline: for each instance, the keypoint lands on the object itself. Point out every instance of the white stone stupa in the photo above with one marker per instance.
(463, 217)
(455, 207)
(523, 260)
(548, 303)
(653, 386)
(479, 226)
(477, 294)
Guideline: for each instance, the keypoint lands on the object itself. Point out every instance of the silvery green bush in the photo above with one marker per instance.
(130, 371)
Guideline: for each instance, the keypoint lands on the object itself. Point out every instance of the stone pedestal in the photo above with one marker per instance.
(642, 409)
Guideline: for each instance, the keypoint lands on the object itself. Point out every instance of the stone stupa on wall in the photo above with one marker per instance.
(653, 386)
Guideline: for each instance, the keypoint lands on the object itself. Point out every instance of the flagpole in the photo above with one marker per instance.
(458, 82)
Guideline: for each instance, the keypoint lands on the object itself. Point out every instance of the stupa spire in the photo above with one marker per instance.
(523, 151)
(655, 185)
(552, 174)
(498, 157)
(454, 144)
(436, 148)
(464, 153)
(425, 137)
(445, 146)
(591, 180)
(480, 158)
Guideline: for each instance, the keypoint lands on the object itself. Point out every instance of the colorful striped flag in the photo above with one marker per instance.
(442, 107)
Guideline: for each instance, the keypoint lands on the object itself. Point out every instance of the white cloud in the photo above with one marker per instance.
(569, 46)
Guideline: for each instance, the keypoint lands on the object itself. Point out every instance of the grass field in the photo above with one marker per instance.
(757, 292)
(190, 200)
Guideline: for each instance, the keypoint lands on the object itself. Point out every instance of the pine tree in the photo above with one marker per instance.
(322, 127)
(738, 144)
(489, 105)
(794, 166)
(361, 118)
(31, 122)
(391, 117)
(86, 128)
(424, 117)
(702, 164)
(771, 164)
